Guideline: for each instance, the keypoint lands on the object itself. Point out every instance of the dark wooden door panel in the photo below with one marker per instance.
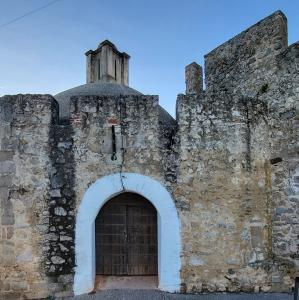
(141, 227)
(110, 240)
(126, 237)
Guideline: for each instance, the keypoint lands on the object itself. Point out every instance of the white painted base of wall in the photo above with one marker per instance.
(169, 239)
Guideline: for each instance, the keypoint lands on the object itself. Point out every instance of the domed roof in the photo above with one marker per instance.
(90, 89)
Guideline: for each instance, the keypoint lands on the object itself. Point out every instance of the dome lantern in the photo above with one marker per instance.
(107, 64)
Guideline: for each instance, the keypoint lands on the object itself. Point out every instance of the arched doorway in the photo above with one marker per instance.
(126, 237)
(169, 238)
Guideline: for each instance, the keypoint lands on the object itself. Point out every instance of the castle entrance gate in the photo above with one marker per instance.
(94, 199)
(126, 236)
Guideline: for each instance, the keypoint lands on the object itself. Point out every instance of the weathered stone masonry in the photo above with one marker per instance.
(242, 144)
(60, 250)
(230, 161)
(25, 163)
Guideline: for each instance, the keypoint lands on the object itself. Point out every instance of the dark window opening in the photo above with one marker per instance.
(113, 156)
(115, 71)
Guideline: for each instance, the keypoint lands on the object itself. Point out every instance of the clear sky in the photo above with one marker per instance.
(44, 52)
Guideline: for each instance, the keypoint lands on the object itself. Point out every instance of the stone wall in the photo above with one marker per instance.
(247, 59)
(222, 194)
(230, 161)
(231, 182)
(55, 169)
(136, 123)
(58, 250)
(284, 105)
(25, 147)
(237, 180)
(36, 173)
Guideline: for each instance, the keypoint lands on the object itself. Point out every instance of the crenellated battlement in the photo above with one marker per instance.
(241, 64)
(248, 58)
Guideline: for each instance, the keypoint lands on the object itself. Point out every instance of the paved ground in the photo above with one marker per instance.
(125, 282)
(157, 295)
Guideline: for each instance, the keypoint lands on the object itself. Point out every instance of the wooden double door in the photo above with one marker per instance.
(126, 237)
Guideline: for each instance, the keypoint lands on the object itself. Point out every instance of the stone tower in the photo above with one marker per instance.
(107, 64)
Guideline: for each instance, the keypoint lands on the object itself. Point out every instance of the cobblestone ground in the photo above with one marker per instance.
(157, 295)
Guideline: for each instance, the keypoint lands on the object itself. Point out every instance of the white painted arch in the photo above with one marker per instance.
(169, 240)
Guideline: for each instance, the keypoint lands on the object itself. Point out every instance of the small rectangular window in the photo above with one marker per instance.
(115, 71)
(113, 156)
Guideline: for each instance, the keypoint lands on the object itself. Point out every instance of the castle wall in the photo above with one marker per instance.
(135, 119)
(284, 152)
(25, 146)
(237, 180)
(69, 158)
(243, 64)
(222, 190)
(230, 162)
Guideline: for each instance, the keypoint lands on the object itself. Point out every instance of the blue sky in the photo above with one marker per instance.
(44, 52)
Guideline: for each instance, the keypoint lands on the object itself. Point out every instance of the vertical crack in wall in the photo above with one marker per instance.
(120, 104)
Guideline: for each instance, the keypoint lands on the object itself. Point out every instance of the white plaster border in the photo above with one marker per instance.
(169, 239)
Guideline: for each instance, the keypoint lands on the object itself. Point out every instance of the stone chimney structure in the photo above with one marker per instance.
(107, 64)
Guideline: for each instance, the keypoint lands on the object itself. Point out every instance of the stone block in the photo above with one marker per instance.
(8, 254)
(276, 278)
(55, 193)
(3, 196)
(7, 214)
(63, 294)
(69, 278)
(55, 288)
(60, 211)
(9, 144)
(6, 180)
(256, 236)
(25, 256)
(281, 210)
(9, 232)
(57, 260)
(19, 286)
(196, 261)
(6, 155)
(6, 286)
(13, 295)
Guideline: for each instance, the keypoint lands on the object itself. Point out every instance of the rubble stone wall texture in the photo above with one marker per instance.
(230, 162)
(241, 142)
(25, 163)
(31, 196)
(135, 119)
(245, 63)
(284, 133)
